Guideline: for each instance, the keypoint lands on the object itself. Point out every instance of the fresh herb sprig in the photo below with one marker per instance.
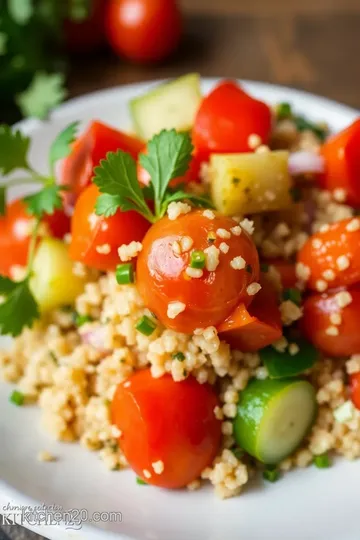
(168, 157)
(18, 307)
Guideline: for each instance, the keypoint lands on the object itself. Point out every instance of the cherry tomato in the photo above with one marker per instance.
(335, 249)
(89, 232)
(226, 119)
(162, 275)
(88, 150)
(286, 270)
(167, 421)
(319, 310)
(87, 34)
(191, 175)
(355, 389)
(342, 163)
(143, 30)
(250, 329)
(15, 230)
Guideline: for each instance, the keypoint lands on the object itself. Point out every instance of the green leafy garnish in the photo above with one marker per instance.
(17, 398)
(14, 150)
(141, 482)
(45, 201)
(271, 474)
(82, 319)
(302, 124)
(322, 461)
(20, 10)
(178, 356)
(168, 157)
(19, 310)
(44, 93)
(61, 146)
(294, 295)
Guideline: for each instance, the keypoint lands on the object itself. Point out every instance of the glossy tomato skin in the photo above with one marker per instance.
(162, 278)
(15, 228)
(227, 117)
(88, 150)
(316, 320)
(168, 421)
(88, 231)
(355, 389)
(322, 251)
(143, 30)
(342, 163)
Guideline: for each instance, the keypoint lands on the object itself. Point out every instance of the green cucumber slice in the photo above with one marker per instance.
(273, 417)
(171, 105)
(282, 364)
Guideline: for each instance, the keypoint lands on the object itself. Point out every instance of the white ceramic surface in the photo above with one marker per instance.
(307, 504)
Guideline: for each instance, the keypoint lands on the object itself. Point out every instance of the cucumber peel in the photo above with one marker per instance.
(273, 417)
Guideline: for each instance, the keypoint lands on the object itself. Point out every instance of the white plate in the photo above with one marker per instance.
(307, 504)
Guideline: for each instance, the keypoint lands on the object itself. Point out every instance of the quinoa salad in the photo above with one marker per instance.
(184, 297)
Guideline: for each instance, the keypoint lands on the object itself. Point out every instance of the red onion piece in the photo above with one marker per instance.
(303, 162)
(94, 336)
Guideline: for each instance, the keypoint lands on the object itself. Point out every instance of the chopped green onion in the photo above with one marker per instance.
(238, 452)
(264, 267)
(322, 461)
(145, 325)
(281, 365)
(124, 274)
(178, 356)
(53, 356)
(17, 398)
(82, 319)
(248, 268)
(302, 125)
(284, 110)
(197, 259)
(294, 295)
(271, 474)
(141, 482)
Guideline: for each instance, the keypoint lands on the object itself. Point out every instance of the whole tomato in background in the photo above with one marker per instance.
(143, 30)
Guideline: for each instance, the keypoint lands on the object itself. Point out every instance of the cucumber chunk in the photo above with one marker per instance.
(282, 364)
(273, 417)
(171, 105)
(53, 282)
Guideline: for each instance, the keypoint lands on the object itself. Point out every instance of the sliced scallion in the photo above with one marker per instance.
(197, 259)
(294, 295)
(179, 356)
(124, 274)
(271, 474)
(145, 325)
(82, 319)
(141, 482)
(322, 461)
(17, 398)
(284, 111)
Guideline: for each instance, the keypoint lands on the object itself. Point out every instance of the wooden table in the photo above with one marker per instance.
(308, 44)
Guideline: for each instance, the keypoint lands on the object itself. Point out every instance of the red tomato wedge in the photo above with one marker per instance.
(342, 163)
(227, 117)
(90, 232)
(319, 310)
(250, 329)
(355, 389)
(88, 150)
(169, 423)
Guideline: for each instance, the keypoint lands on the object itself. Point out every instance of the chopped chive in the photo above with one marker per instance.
(271, 474)
(302, 124)
(81, 319)
(284, 110)
(248, 268)
(295, 193)
(53, 356)
(238, 452)
(141, 482)
(264, 267)
(322, 461)
(145, 325)
(124, 274)
(178, 356)
(197, 259)
(17, 398)
(294, 295)
(235, 181)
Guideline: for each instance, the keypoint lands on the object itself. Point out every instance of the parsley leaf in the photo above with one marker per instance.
(2, 200)
(203, 202)
(45, 92)
(61, 146)
(19, 310)
(20, 10)
(116, 176)
(6, 285)
(3, 43)
(44, 201)
(14, 149)
(107, 205)
(168, 157)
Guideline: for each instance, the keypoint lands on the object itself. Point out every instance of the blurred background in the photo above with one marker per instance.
(51, 50)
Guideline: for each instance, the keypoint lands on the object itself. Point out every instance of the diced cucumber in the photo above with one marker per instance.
(250, 182)
(282, 364)
(53, 282)
(273, 417)
(171, 105)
